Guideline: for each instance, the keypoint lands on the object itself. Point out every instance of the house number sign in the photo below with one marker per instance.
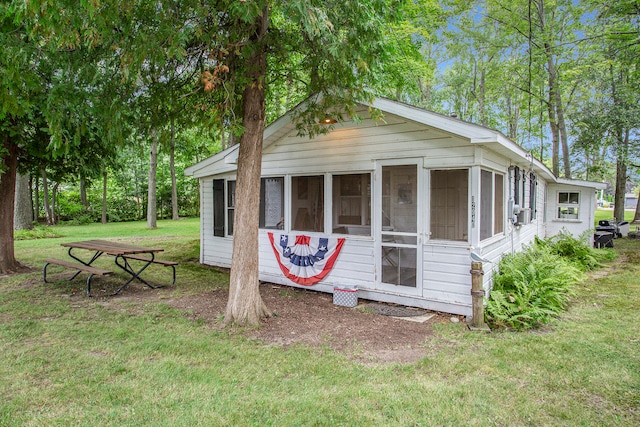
(473, 212)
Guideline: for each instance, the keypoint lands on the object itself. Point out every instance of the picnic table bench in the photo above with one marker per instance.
(93, 271)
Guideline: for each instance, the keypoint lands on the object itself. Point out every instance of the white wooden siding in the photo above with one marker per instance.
(446, 275)
(446, 281)
(586, 209)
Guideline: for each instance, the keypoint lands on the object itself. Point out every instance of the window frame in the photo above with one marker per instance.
(466, 226)
(223, 214)
(293, 205)
(230, 206)
(568, 204)
(283, 205)
(492, 202)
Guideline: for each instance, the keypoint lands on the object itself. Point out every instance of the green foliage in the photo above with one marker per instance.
(38, 232)
(577, 250)
(532, 287)
(536, 284)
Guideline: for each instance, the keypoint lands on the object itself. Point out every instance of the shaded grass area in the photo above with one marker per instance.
(79, 361)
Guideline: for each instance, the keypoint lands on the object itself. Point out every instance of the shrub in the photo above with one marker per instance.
(38, 232)
(577, 250)
(531, 288)
(83, 219)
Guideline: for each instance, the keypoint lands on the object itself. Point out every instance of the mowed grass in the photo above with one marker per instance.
(70, 361)
(605, 213)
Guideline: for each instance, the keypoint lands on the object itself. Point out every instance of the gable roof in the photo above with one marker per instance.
(476, 134)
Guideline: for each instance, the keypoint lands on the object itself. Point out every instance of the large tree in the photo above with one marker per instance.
(309, 36)
(19, 86)
(334, 50)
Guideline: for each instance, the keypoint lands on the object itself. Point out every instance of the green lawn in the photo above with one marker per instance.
(86, 362)
(602, 213)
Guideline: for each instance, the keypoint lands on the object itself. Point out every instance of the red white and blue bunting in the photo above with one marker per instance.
(305, 260)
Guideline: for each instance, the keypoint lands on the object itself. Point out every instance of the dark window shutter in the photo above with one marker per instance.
(516, 185)
(218, 207)
(262, 203)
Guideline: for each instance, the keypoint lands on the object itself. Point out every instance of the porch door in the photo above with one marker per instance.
(399, 226)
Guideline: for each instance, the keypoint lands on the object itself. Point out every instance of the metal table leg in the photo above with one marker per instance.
(88, 264)
(126, 266)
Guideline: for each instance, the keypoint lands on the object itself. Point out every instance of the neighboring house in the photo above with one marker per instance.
(630, 201)
(409, 198)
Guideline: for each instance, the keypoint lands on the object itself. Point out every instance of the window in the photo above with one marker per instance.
(307, 203)
(568, 204)
(272, 203)
(491, 204)
(498, 204)
(223, 212)
(352, 204)
(533, 189)
(231, 206)
(449, 204)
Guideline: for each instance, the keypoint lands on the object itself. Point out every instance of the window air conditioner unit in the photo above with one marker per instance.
(524, 217)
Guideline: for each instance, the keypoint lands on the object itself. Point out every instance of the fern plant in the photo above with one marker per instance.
(531, 288)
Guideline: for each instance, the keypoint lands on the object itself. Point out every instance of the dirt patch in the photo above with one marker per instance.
(301, 316)
(308, 317)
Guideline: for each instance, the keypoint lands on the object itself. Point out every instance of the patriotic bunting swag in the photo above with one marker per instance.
(305, 260)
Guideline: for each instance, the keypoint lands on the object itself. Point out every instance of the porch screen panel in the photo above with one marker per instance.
(352, 204)
(307, 203)
(272, 203)
(449, 204)
(218, 207)
(399, 198)
(399, 217)
(498, 208)
(486, 204)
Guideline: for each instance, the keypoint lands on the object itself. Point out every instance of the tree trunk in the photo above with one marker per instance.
(136, 184)
(552, 77)
(621, 176)
(54, 201)
(481, 97)
(104, 196)
(636, 216)
(152, 209)
(562, 128)
(8, 263)
(23, 211)
(555, 143)
(172, 167)
(36, 210)
(245, 305)
(513, 114)
(48, 215)
(83, 193)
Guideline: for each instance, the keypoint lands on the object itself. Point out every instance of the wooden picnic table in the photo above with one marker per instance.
(123, 253)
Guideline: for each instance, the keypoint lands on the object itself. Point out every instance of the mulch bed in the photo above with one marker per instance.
(310, 318)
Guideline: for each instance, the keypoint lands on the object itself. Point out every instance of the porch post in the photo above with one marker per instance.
(477, 297)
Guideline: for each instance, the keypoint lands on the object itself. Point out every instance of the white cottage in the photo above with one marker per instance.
(411, 197)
